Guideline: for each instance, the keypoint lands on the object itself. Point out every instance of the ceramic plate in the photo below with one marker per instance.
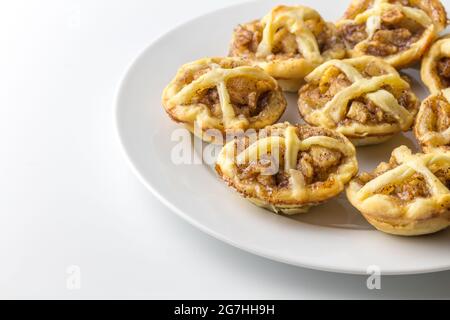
(331, 237)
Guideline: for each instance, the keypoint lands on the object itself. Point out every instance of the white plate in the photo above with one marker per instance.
(332, 237)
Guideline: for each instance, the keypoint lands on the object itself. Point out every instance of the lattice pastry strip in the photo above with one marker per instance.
(406, 196)
(217, 78)
(182, 99)
(381, 6)
(432, 128)
(435, 70)
(285, 143)
(388, 29)
(294, 21)
(408, 165)
(288, 43)
(336, 108)
(334, 112)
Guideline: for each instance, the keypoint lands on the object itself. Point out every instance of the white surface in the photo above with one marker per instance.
(68, 197)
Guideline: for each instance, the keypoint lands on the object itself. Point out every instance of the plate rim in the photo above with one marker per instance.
(119, 91)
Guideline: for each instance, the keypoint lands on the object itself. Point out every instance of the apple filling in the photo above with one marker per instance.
(247, 38)
(360, 110)
(409, 189)
(396, 33)
(315, 165)
(248, 97)
(443, 69)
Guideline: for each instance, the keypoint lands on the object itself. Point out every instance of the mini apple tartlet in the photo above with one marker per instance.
(398, 31)
(214, 97)
(288, 168)
(288, 43)
(432, 128)
(363, 98)
(435, 70)
(407, 196)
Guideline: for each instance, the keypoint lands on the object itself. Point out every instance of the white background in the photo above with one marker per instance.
(67, 196)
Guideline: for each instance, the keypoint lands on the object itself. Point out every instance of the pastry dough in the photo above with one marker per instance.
(408, 196)
(435, 71)
(363, 98)
(432, 127)
(399, 31)
(288, 43)
(288, 168)
(214, 97)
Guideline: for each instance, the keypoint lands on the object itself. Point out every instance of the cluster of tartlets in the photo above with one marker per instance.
(349, 94)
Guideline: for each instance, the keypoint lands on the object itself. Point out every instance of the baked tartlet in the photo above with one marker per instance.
(399, 31)
(288, 43)
(435, 70)
(363, 98)
(432, 128)
(288, 168)
(214, 97)
(408, 196)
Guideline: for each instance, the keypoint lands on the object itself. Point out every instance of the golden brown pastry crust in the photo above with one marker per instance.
(224, 96)
(363, 98)
(399, 31)
(432, 128)
(408, 196)
(433, 8)
(435, 70)
(288, 168)
(288, 43)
